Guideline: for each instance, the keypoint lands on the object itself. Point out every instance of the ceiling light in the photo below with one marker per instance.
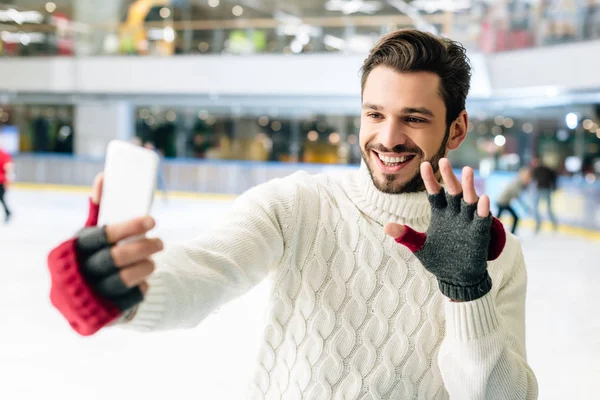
(237, 11)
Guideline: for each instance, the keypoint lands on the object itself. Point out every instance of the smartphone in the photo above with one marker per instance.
(129, 182)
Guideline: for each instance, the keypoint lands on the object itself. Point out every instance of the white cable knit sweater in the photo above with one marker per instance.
(353, 315)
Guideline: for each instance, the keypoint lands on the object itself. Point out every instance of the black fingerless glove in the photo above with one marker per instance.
(457, 246)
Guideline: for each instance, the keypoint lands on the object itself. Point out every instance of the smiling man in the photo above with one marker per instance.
(386, 285)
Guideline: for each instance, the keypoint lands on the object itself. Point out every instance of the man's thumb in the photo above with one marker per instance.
(97, 188)
(406, 236)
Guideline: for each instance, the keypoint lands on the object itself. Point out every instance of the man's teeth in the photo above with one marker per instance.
(393, 160)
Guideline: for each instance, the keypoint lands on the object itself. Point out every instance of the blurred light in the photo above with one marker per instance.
(303, 38)
(296, 46)
(587, 124)
(5, 117)
(334, 138)
(500, 140)
(171, 116)
(111, 44)
(598, 133)
(496, 130)
(508, 122)
(571, 120)
(573, 164)
(213, 3)
(165, 12)
(313, 136)
(203, 46)
(203, 114)
(25, 39)
(263, 121)
(169, 34)
(144, 113)
(527, 127)
(352, 139)
(590, 178)
(150, 120)
(237, 11)
(50, 7)
(597, 166)
(593, 127)
(499, 120)
(276, 126)
(211, 120)
(562, 135)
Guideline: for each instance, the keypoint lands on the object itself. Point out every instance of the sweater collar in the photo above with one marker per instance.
(412, 209)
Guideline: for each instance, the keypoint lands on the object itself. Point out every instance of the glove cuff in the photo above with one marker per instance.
(466, 293)
(73, 297)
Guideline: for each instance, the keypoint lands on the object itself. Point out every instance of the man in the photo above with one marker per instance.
(6, 166)
(353, 314)
(511, 192)
(544, 180)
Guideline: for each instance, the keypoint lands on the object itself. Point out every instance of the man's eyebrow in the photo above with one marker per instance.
(371, 106)
(405, 110)
(418, 110)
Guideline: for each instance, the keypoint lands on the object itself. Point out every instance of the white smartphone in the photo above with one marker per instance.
(129, 182)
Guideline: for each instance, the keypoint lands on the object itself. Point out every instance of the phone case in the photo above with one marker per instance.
(129, 182)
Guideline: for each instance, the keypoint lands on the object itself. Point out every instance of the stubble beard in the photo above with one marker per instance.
(413, 185)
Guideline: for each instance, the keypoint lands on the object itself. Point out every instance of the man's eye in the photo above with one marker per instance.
(374, 115)
(413, 120)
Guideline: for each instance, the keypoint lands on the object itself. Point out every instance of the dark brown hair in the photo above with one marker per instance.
(409, 50)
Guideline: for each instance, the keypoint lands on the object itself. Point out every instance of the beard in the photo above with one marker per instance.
(414, 184)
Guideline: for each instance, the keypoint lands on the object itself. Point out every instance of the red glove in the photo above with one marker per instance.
(70, 292)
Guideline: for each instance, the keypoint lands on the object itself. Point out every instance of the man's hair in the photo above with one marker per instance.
(409, 50)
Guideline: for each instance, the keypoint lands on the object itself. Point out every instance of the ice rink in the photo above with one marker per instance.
(40, 357)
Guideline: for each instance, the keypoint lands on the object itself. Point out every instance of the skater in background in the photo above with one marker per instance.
(512, 192)
(6, 170)
(545, 182)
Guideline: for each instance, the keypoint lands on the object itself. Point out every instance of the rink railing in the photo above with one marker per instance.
(577, 202)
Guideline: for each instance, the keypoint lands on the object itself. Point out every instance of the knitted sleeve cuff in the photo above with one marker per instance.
(150, 311)
(472, 319)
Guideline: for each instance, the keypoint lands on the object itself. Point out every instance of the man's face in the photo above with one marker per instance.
(403, 123)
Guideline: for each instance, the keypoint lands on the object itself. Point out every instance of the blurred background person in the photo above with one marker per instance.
(511, 192)
(544, 185)
(6, 174)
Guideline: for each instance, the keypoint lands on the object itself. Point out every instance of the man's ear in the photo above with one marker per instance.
(458, 131)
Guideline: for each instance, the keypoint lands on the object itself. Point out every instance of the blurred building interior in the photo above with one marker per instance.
(276, 82)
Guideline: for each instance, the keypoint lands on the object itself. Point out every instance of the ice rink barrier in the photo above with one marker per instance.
(577, 202)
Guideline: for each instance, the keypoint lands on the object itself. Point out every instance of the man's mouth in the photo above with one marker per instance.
(394, 161)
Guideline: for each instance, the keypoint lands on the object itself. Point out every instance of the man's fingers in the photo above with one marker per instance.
(137, 274)
(97, 188)
(431, 183)
(144, 287)
(453, 186)
(134, 227)
(130, 253)
(483, 207)
(394, 230)
(468, 185)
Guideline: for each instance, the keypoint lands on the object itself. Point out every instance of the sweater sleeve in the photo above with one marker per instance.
(483, 354)
(193, 279)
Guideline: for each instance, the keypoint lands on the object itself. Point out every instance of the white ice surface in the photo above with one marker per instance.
(41, 358)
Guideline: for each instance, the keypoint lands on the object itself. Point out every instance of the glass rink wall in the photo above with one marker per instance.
(575, 203)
